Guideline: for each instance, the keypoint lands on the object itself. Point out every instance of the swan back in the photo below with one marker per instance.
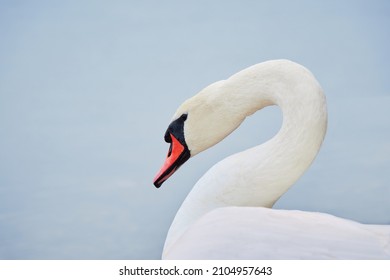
(262, 233)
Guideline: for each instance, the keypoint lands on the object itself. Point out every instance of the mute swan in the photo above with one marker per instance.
(227, 215)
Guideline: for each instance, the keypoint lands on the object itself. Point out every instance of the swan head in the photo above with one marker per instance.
(178, 152)
(199, 123)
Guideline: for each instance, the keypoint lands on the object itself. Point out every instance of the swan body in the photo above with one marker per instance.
(263, 233)
(226, 214)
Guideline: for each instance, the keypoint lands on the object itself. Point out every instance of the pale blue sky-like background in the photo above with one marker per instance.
(87, 89)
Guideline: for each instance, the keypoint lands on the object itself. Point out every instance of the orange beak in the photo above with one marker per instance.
(178, 154)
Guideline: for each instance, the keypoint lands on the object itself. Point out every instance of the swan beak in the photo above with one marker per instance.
(177, 155)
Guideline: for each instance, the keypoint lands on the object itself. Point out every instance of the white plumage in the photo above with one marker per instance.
(263, 233)
(227, 215)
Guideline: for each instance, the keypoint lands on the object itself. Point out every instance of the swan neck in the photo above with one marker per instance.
(260, 175)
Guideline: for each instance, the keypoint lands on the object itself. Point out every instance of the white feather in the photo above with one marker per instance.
(224, 216)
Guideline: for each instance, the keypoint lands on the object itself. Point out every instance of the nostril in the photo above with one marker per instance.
(169, 151)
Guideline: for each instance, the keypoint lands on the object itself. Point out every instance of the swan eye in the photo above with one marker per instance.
(184, 117)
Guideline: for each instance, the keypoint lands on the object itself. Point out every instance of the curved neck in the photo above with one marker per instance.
(260, 175)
